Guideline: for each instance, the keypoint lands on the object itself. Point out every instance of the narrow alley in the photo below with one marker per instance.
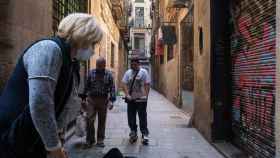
(169, 132)
(202, 75)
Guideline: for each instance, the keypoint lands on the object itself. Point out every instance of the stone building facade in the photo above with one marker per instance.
(140, 25)
(173, 63)
(21, 22)
(113, 47)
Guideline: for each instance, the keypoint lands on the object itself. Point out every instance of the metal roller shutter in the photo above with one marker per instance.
(253, 55)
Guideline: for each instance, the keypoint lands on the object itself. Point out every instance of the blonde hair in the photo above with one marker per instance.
(81, 29)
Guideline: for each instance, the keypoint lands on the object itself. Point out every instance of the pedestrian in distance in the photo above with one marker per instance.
(34, 105)
(101, 93)
(136, 87)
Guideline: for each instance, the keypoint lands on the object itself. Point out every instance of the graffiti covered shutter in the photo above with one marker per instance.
(253, 74)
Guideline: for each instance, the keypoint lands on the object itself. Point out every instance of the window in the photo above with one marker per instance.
(200, 39)
(139, 41)
(62, 8)
(112, 55)
(139, 17)
(139, 1)
(170, 52)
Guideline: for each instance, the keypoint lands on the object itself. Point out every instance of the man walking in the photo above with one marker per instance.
(136, 86)
(100, 89)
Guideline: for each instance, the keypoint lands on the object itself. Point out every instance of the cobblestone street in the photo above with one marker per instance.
(170, 136)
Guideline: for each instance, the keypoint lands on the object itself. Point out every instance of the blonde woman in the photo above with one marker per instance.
(34, 104)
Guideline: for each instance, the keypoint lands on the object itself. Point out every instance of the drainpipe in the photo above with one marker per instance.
(179, 35)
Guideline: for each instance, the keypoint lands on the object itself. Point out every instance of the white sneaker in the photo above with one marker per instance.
(145, 139)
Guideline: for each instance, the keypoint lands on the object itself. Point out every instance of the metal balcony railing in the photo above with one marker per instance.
(178, 3)
(62, 8)
(117, 9)
(139, 53)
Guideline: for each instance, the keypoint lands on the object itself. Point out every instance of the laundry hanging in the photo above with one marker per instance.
(159, 43)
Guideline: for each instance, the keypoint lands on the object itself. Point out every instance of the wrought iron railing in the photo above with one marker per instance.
(139, 53)
(61, 8)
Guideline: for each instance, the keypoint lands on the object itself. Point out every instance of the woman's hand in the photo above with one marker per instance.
(128, 97)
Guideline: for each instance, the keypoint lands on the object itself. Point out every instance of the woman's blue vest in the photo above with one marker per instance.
(17, 131)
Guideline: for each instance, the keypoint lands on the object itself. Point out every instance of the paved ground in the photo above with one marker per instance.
(187, 98)
(170, 137)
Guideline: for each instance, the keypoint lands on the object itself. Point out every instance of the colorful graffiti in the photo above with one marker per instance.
(253, 70)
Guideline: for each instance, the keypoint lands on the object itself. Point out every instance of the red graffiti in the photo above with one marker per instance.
(254, 74)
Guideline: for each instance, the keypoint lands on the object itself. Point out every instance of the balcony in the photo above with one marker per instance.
(139, 1)
(117, 9)
(139, 24)
(125, 34)
(120, 15)
(178, 3)
(131, 22)
(141, 54)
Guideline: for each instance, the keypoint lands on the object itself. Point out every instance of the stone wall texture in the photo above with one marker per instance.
(21, 23)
